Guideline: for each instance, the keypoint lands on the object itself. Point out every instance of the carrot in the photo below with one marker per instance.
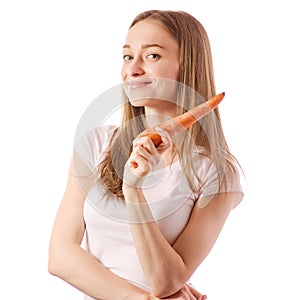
(195, 114)
(184, 121)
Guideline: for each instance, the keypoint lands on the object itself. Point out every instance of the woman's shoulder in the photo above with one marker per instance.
(202, 157)
(223, 175)
(104, 133)
(94, 143)
(98, 136)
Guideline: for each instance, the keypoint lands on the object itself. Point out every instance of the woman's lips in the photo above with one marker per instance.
(136, 83)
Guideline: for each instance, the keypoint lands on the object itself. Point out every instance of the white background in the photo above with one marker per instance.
(58, 56)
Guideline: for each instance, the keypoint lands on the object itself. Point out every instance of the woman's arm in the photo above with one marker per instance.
(73, 264)
(168, 268)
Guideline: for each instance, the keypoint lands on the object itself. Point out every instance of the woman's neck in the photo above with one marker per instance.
(155, 115)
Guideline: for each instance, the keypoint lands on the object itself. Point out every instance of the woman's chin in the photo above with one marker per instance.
(138, 102)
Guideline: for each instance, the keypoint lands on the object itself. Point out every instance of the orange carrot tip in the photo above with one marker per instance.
(214, 101)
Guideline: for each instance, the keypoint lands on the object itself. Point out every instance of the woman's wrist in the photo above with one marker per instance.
(132, 194)
(141, 296)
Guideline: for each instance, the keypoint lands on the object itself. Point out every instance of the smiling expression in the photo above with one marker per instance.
(150, 62)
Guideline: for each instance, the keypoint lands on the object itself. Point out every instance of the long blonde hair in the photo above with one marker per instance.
(195, 73)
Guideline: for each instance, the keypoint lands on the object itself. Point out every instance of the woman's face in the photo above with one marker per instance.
(150, 64)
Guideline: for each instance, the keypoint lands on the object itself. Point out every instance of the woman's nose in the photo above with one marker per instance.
(135, 68)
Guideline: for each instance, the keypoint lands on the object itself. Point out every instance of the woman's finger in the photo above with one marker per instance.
(146, 143)
(195, 293)
(140, 150)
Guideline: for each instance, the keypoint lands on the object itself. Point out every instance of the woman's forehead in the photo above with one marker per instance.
(148, 32)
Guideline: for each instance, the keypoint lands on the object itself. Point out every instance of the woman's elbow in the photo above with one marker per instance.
(56, 261)
(53, 264)
(166, 288)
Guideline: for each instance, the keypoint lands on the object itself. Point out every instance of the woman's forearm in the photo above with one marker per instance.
(162, 265)
(77, 267)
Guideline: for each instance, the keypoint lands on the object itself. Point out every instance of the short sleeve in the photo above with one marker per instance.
(210, 182)
(91, 147)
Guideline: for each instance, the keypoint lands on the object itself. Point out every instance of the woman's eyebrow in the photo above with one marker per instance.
(144, 46)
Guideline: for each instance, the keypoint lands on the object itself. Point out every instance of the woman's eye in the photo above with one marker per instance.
(153, 56)
(127, 57)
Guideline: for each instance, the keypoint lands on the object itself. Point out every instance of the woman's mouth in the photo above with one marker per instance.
(136, 83)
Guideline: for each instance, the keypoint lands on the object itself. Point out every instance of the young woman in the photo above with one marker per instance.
(150, 214)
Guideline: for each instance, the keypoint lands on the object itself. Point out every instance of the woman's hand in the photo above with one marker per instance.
(186, 293)
(144, 158)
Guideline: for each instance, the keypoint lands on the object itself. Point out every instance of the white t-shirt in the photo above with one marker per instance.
(171, 200)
